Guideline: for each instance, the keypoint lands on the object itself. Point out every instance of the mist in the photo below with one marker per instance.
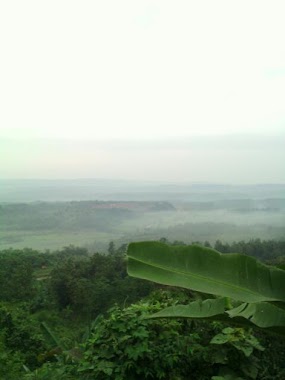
(236, 158)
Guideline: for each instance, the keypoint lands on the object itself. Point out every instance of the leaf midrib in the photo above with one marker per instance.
(210, 280)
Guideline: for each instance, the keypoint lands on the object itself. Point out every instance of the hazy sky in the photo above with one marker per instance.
(143, 89)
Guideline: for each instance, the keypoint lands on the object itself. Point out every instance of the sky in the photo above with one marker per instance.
(143, 89)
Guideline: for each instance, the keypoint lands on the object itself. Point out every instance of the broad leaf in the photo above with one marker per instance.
(205, 270)
(262, 314)
(197, 309)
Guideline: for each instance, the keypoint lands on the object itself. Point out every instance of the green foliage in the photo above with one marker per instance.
(93, 285)
(22, 335)
(42, 337)
(205, 270)
(263, 250)
(63, 369)
(128, 345)
(272, 360)
(11, 364)
(239, 339)
(202, 269)
(16, 278)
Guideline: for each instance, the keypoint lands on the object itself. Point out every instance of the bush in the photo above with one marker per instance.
(128, 345)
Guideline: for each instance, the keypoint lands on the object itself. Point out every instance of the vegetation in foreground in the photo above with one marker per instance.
(70, 315)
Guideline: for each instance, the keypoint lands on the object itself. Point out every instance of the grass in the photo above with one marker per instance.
(55, 240)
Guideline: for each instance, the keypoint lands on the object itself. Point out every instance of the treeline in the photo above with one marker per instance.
(272, 251)
(62, 216)
(211, 231)
(68, 278)
(266, 250)
(65, 216)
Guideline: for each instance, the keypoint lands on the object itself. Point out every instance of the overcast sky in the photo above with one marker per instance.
(143, 89)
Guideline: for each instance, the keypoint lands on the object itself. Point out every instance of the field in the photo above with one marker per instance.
(93, 224)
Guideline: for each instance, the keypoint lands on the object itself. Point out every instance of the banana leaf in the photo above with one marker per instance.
(208, 309)
(205, 270)
(263, 315)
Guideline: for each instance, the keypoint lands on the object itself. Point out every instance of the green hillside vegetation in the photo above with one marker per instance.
(72, 314)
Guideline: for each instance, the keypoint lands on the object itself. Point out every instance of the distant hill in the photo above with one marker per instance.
(94, 223)
(66, 216)
(119, 190)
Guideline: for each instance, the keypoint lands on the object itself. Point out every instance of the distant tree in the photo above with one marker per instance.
(111, 248)
(122, 249)
(219, 246)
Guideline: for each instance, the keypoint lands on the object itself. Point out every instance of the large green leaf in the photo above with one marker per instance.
(261, 314)
(208, 309)
(206, 270)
